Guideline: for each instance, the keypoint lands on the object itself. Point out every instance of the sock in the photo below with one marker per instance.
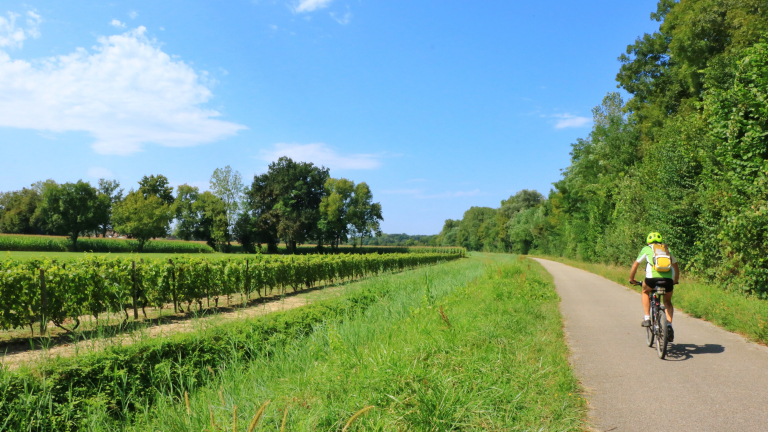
(647, 317)
(669, 324)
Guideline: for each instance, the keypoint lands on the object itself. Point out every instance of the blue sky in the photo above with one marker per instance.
(437, 105)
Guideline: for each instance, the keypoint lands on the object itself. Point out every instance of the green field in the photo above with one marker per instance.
(494, 360)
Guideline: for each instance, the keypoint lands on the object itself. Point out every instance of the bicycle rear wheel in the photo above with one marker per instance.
(663, 335)
(649, 335)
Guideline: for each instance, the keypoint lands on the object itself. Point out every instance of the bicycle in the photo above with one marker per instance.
(659, 328)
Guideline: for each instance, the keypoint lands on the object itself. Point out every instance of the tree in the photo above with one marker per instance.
(447, 236)
(158, 186)
(364, 215)
(665, 71)
(109, 194)
(285, 202)
(70, 208)
(142, 217)
(213, 226)
(187, 217)
(228, 185)
(17, 210)
(334, 207)
(470, 234)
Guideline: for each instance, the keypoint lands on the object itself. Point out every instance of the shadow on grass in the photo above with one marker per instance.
(681, 352)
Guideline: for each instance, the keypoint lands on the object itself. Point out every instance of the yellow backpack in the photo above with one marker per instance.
(662, 260)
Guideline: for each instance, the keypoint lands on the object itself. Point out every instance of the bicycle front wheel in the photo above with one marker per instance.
(663, 335)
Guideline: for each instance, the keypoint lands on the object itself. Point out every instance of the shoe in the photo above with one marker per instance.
(646, 323)
(670, 334)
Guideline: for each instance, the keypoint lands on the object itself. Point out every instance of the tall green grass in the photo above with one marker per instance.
(474, 345)
(731, 310)
(64, 244)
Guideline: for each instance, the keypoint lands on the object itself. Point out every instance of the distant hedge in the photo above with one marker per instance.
(63, 244)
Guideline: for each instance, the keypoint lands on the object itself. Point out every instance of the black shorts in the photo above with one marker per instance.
(668, 283)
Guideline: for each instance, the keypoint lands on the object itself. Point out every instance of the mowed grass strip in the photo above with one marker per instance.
(494, 359)
(731, 310)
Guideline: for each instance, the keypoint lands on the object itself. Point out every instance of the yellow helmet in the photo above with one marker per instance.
(653, 237)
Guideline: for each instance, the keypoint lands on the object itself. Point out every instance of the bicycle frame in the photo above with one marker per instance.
(658, 329)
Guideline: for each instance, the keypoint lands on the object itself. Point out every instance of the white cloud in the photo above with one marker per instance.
(99, 172)
(321, 154)
(311, 5)
(343, 20)
(125, 92)
(569, 120)
(117, 23)
(33, 24)
(456, 194)
(12, 36)
(133, 14)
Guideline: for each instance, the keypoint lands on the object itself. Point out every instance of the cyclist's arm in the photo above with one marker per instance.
(677, 271)
(634, 271)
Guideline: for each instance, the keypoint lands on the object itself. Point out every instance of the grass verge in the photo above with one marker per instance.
(476, 345)
(732, 311)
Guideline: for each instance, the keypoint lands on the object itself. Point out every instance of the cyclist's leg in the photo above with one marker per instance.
(668, 306)
(646, 298)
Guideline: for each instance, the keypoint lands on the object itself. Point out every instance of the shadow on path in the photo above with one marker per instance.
(681, 352)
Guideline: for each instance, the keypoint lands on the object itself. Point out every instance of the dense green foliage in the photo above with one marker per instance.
(95, 284)
(122, 379)
(687, 155)
(402, 240)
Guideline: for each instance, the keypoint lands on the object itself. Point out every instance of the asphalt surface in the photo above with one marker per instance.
(712, 380)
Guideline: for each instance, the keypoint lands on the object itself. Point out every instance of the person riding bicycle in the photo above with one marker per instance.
(653, 277)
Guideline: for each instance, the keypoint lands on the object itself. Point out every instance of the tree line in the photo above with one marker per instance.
(293, 202)
(686, 155)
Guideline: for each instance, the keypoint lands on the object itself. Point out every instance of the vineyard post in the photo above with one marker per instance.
(133, 294)
(43, 301)
(173, 283)
(247, 284)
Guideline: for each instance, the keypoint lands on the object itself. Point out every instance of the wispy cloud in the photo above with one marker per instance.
(343, 19)
(13, 36)
(311, 5)
(99, 172)
(117, 23)
(403, 191)
(125, 92)
(457, 194)
(569, 120)
(321, 154)
(133, 14)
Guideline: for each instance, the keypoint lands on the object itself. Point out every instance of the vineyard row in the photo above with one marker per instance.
(47, 290)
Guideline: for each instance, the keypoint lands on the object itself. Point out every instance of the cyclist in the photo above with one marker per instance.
(653, 277)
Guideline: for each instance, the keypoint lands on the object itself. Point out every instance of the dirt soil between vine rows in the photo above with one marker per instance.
(20, 354)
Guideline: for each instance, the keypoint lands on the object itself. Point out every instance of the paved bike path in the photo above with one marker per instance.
(712, 380)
